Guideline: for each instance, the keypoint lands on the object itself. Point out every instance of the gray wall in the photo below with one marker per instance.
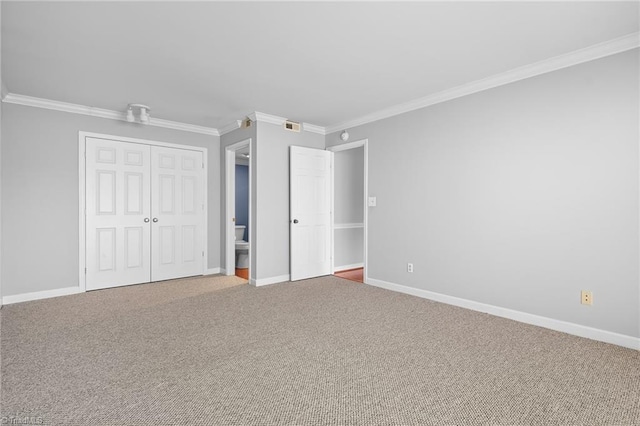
(348, 171)
(40, 193)
(272, 191)
(348, 248)
(519, 196)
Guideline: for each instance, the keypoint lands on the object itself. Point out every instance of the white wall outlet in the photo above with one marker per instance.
(409, 267)
(372, 201)
(586, 297)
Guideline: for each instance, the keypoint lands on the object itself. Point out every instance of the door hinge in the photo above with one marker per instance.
(85, 270)
(202, 254)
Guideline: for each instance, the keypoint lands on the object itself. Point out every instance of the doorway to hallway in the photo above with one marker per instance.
(349, 195)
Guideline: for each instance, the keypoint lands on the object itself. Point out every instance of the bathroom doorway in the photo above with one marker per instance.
(238, 209)
(349, 198)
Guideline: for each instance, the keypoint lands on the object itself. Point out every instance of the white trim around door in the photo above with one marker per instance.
(343, 147)
(230, 199)
(82, 136)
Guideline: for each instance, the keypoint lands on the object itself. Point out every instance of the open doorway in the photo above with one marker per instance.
(238, 209)
(350, 211)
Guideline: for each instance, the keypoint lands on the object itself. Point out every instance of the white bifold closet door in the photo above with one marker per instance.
(177, 207)
(118, 211)
(144, 213)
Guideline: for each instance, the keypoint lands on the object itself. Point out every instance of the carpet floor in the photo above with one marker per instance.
(325, 351)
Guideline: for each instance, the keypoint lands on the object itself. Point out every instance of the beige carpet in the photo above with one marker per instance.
(327, 351)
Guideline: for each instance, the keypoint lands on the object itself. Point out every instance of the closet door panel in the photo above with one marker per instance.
(118, 242)
(177, 182)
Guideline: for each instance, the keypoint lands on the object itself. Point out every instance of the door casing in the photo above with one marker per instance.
(230, 209)
(343, 147)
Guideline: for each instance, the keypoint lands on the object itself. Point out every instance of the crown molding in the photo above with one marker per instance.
(14, 98)
(267, 118)
(176, 125)
(279, 121)
(234, 125)
(314, 129)
(31, 101)
(597, 51)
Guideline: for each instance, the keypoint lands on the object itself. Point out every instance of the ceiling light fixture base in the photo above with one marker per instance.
(142, 112)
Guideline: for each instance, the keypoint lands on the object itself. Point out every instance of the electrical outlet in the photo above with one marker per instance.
(409, 267)
(586, 297)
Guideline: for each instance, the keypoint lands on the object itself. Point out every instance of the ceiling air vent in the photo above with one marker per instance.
(292, 126)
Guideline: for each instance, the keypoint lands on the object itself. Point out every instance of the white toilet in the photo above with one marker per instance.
(242, 249)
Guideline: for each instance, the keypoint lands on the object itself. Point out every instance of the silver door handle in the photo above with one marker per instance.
(155, 219)
(146, 220)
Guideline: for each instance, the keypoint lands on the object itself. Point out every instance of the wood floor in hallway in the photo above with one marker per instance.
(351, 274)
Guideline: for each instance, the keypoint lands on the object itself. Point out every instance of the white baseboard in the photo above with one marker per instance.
(271, 280)
(346, 267)
(37, 295)
(550, 323)
(213, 271)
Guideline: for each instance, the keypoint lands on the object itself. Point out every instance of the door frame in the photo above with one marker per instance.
(343, 147)
(82, 252)
(230, 207)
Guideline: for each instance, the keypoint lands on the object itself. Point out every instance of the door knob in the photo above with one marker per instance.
(295, 220)
(155, 219)
(146, 220)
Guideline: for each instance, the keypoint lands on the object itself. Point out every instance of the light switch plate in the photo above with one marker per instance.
(372, 201)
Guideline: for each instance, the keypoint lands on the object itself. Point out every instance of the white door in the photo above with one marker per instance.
(145, 216)
(310, 221)
(117, 213)
(177, 182)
